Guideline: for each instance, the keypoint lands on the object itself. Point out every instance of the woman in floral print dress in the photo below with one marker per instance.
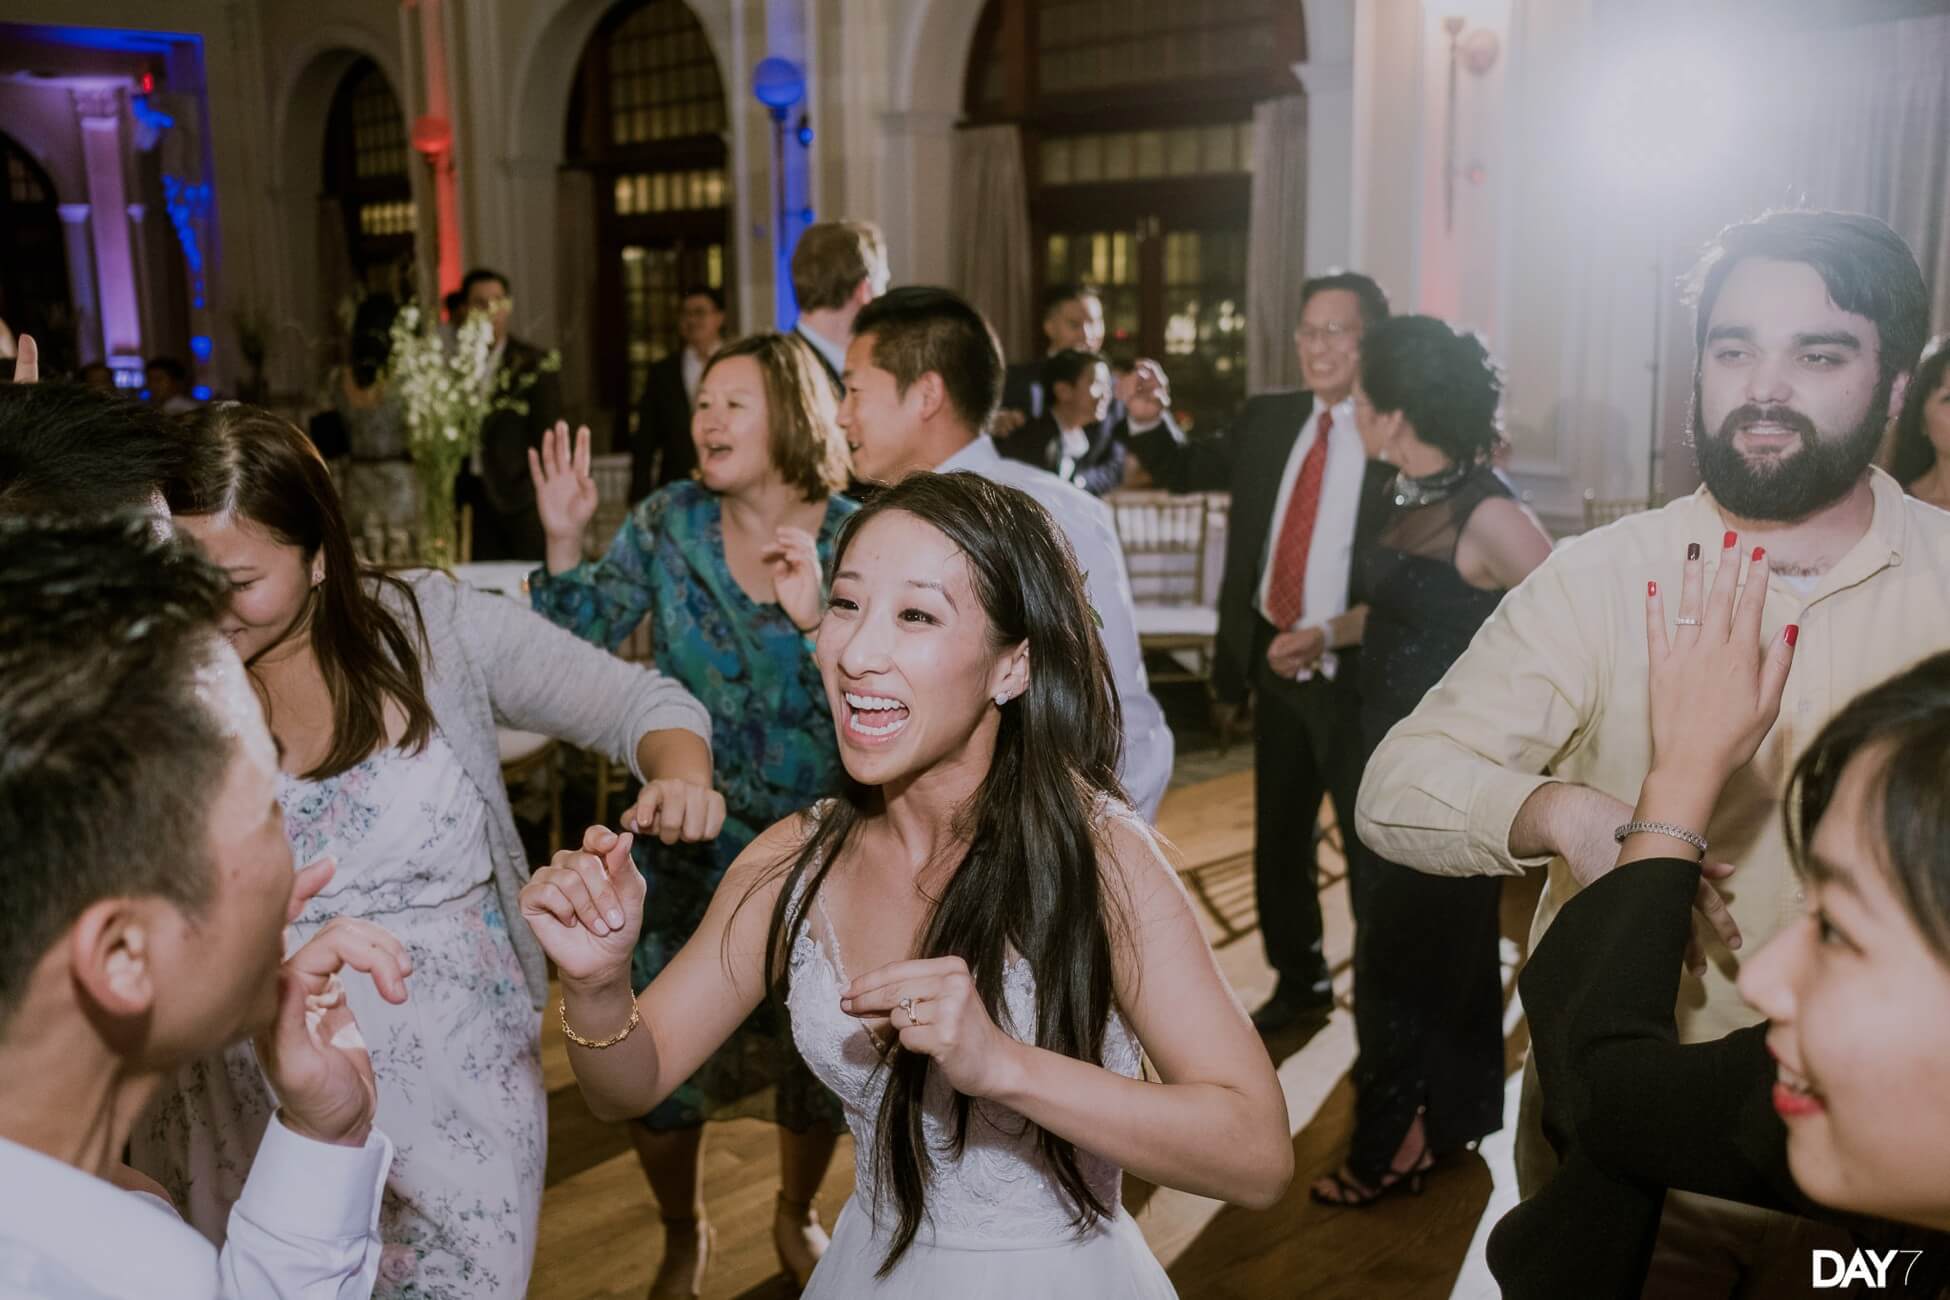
(698, 558)
(384, 694)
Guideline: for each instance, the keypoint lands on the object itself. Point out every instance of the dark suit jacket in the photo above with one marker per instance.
(1260, 442)
(663, 426)
(506, 526)
(1022, 388)
(1040, 443)
(1629, 1109)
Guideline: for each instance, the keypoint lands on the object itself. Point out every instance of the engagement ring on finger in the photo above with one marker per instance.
(1683, 621)
(907, 1007)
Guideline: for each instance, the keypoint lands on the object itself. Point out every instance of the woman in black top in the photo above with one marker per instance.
(1428, 1002)
(1835, 1106)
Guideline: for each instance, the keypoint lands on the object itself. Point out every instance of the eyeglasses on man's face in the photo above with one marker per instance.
(1333, 333)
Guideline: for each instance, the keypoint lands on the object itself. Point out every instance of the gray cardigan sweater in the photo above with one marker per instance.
(492, 662)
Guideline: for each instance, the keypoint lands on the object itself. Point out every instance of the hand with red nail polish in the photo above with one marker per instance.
(1731, 540)
(1715, 685)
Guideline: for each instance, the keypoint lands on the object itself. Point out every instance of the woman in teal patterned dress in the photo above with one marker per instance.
(698, 558)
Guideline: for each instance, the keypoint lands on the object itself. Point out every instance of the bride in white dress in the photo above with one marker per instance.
(977, 940)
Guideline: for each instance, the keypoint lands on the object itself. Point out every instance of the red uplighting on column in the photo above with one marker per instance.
(433, 139)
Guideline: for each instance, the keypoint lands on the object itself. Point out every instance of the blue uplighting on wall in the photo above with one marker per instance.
(185, 204)
(200, 347)
(149, 115)
(201, 392)
(134, 40)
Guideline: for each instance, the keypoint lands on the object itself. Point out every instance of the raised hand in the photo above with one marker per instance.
(932, 1004)
(1714, 691)
(793, 558)
(27, 360)
(1715, 686)
(586, 908)
(565, 493)
(312, 1053)
(673, 809)
(1150, 392)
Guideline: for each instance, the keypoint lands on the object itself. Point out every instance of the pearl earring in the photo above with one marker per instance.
(1001, 698)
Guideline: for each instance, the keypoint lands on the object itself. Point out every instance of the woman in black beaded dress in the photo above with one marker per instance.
(1428, 999)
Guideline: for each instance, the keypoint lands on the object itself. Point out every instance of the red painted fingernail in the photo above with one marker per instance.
(1731, 538)
(1759, 553)
(1651, 589)
(1692, 550)
(1792, 633)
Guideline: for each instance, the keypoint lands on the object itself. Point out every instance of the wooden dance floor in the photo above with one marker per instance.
(601, 1237)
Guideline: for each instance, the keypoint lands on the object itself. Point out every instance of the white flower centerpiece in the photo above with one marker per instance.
(447, 388)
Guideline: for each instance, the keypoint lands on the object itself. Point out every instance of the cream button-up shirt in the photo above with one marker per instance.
(1554, 688)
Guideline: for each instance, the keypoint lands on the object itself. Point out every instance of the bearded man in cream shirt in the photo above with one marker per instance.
(1530, 750)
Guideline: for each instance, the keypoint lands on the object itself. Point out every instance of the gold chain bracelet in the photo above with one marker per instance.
(596, 1044)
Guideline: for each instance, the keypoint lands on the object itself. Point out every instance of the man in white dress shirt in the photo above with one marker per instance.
(923, 376)
(838, 267)
(148, 881)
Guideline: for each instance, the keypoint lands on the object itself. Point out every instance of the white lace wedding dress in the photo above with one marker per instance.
(997, 1222)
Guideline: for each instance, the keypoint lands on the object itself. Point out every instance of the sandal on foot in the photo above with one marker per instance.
(1351, 1194)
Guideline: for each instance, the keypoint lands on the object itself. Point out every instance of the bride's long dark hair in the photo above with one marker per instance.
(1030, 882)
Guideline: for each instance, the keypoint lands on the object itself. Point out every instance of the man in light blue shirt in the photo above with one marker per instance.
(923, 377)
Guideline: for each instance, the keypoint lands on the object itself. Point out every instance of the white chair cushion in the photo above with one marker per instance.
(1177, 620)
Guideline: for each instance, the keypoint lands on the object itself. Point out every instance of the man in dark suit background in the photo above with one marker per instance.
(1139, 412)
(1073, 320)
(506, 526)
(1303, 491)
(1072, 439)
(661, 448)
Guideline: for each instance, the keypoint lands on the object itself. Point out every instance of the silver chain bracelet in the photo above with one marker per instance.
(1667, 829)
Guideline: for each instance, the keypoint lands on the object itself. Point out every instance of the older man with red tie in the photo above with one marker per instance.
(1286, 636)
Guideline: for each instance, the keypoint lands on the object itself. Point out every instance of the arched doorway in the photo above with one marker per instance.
(368, 193)
(647, 120)
(1137, 132)
(34, 293)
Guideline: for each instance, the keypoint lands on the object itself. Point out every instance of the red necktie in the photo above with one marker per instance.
(1286, 592)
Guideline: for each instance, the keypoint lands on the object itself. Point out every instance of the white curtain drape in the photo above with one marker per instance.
(1854, 118)
(1276, 243)
(575, 285)
(992, 263)
(1849, 116)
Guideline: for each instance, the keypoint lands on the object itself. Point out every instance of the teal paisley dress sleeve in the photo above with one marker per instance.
(773, 751)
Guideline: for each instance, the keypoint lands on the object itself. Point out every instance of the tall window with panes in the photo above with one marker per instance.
(648, 121)
(1136, 119)
(366, 158)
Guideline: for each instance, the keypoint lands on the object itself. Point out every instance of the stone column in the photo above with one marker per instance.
(1330, 162)
(81, 282)
(100, 115)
